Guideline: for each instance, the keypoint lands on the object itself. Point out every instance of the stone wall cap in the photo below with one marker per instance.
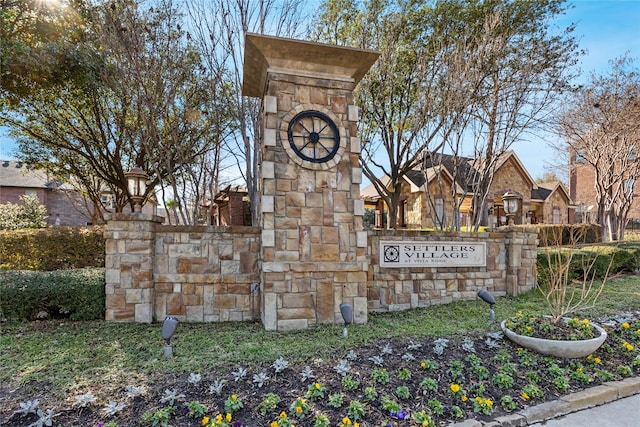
(122, 216)
(264, 54)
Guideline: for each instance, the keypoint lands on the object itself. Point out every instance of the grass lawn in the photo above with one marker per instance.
(56, 360)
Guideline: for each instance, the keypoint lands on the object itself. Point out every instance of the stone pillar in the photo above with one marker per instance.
(129, 240)
(521, 247)
(313, 242)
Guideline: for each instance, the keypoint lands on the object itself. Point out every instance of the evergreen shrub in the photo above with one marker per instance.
(53, 248)
(73, 294)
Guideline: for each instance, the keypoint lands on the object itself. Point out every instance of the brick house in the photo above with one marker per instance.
(64, 205)
(540, 202)
(582, 191)
(231, 207)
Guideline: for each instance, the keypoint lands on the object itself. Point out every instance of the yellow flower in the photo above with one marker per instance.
(298, 409)
(274, 424)
(597, 360)
(455, 388)
(489, 402)
(219, 419)
(234, 397)
(283, 414)
(205, 421)
(228, 417)
(465, 398)
(529, 328)
(356, 424)
(346, 421)
(317, 386)
(423, 363)
(478, 399)
(585, 321)
(425, 423)
(525, 396)
(625, 325)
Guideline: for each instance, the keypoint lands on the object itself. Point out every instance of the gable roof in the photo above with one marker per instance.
(467, 167)
(546, 189)
(19, 174)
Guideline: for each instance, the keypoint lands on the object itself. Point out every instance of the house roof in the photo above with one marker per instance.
(467, 167)
(546, 189)
(19, 174)
(370, 194)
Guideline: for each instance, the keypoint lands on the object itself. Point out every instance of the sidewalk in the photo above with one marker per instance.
(613, 404)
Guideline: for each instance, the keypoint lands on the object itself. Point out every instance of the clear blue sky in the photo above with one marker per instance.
(607, 29)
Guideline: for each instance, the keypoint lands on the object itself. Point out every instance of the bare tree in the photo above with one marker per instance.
(524, 65)
(219, 28)
(601, 128)
(449, 73)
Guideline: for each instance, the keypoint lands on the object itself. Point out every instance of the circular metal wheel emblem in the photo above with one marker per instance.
(313, 136)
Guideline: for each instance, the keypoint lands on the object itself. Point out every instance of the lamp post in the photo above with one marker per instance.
(510, 203)
(137, 186)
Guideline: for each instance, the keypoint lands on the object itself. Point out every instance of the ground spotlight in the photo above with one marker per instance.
(168, 328)
(489, 299)
(347, 316)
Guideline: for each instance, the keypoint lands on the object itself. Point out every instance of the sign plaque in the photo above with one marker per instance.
(394, 253)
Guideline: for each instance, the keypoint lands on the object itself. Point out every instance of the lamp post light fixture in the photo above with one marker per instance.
(168, 328)
(137, 187)
(510, 201)
(347, 316)
(489, 299)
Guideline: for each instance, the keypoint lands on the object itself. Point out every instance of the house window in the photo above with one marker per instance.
(629, 185)
(632, 154)
(30, 193)
(580, 156)
(108, 201)
(556, 215)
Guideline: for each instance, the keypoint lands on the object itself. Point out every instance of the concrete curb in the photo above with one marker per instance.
(588, 398)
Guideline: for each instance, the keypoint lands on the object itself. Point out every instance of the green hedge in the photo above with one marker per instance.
(552, 234)
(74, 294)
(54, 248)
(623, 258)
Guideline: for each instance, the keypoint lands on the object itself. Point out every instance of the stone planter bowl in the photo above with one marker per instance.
(558, 348)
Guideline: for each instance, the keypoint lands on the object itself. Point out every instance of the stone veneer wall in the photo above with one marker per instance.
(198, 274)
(510, 270)
(212, 274)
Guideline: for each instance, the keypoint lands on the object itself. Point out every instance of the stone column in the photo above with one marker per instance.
(129, 240)
(313, 242)
(521, 247)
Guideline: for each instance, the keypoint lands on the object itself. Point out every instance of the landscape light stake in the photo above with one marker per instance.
(168, 328)
(347, 316)
(489, 299)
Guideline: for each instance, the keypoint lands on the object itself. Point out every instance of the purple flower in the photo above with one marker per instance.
(100, 425)
(401, 414)
(237, 424)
